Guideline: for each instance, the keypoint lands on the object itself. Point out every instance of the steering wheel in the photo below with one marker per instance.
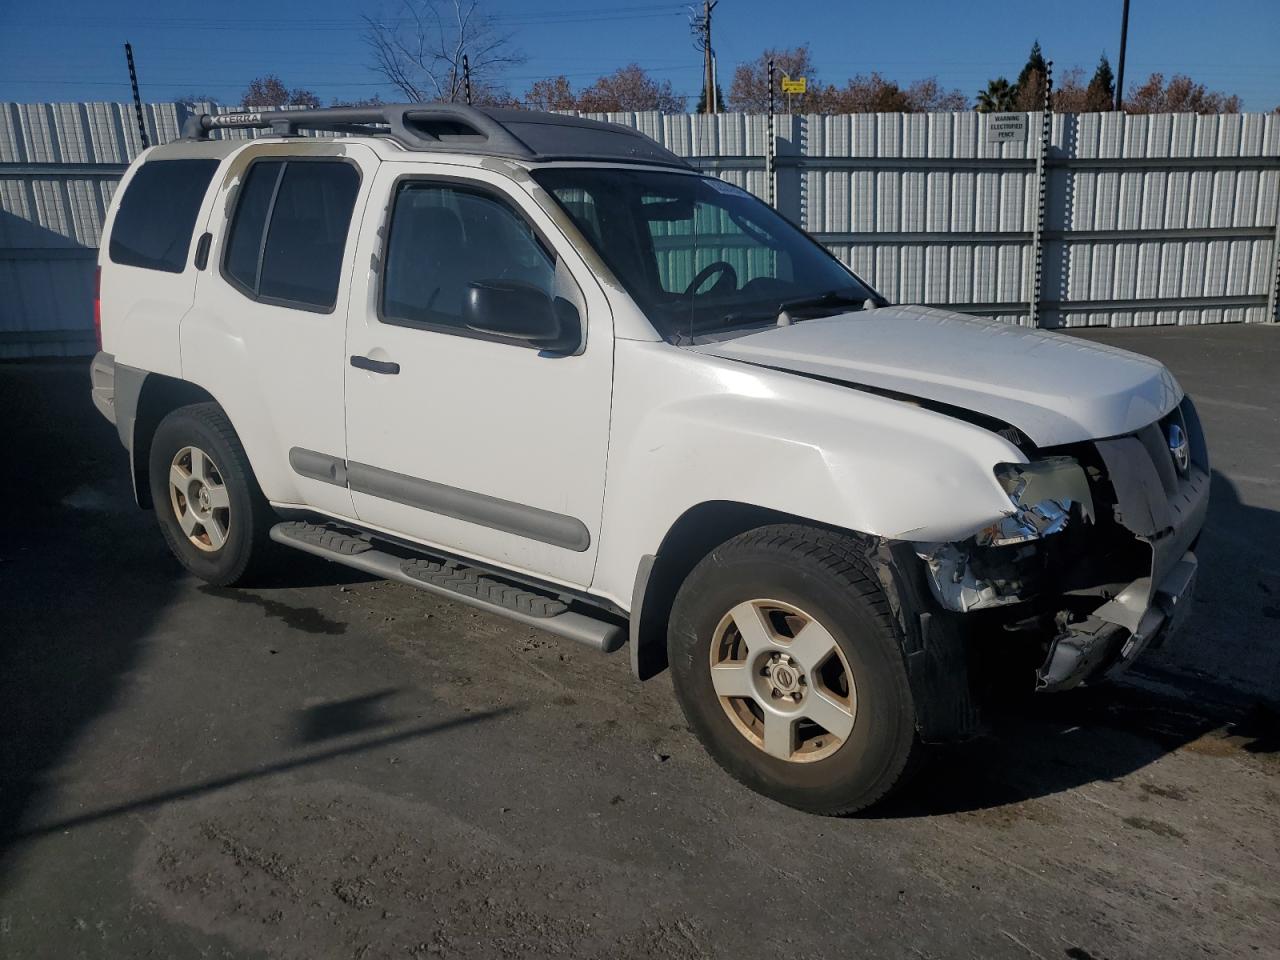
(727, 275)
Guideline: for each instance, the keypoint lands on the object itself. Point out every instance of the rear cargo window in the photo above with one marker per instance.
(157, 214)
(305, 208)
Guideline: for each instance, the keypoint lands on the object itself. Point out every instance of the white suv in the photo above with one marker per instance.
(542, 366)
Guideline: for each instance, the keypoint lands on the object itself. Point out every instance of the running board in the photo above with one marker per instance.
(449, 578)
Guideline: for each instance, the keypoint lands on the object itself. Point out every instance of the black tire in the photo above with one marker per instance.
(247, 548)
(827, 575)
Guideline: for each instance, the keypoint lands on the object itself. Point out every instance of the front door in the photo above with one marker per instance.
(479, 443)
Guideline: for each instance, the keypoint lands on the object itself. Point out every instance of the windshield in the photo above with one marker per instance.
(701, 257)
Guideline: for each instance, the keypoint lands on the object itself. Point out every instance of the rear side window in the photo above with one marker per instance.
(290, 230)
(157, 214)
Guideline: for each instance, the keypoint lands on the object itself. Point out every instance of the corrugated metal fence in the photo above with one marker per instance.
(1124, 220)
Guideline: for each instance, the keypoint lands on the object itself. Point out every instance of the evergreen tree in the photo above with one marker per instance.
(1100, 95)
(1028, 89)
(702, 99)
(1035, 64)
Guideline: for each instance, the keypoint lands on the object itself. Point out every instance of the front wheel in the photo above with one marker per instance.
(211, 512)
(787, 663)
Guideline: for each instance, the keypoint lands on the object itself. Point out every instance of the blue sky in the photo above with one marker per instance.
(62, 50)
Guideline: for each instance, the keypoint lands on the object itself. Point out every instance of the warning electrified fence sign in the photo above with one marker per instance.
(1007, 126)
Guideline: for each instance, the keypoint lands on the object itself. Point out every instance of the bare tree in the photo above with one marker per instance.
(1072, 95)
(551, 93)
(749, 91)
(1180, 95)
(269, 91)
(420, 51)
(630, 88)
(930, 96)
(875, 94)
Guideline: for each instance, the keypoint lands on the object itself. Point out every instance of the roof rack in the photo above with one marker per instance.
(455, 128)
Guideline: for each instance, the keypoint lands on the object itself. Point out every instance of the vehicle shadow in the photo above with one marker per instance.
(1057, 743)
(79, 587)
(293, 568)
(84, 580)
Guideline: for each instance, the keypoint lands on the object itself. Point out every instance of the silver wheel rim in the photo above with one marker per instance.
(783, 681)
(200, 499)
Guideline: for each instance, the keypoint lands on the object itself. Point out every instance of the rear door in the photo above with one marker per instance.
(267, 334)
(148, 277)
(481, 444)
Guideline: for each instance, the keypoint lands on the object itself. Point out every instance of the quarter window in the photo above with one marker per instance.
(443, 239)
(157, 214)
(244, 250)
(290, 231)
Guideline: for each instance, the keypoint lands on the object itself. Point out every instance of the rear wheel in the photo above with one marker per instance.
(787, 663)
(211, 512)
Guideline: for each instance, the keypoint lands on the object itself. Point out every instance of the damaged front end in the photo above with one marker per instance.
(1094, 561)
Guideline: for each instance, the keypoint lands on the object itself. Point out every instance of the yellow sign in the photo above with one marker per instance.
(795, 84)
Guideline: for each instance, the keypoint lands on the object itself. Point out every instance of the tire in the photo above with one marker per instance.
(231, 545)
(776, 581)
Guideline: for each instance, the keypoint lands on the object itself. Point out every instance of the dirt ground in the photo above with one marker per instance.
(338, 767)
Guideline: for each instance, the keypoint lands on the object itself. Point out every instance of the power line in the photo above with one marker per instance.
(593, 15)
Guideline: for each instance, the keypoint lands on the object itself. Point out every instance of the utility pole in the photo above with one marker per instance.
(466, 77)
(1124, 42)
(701, 26)
(137, 99)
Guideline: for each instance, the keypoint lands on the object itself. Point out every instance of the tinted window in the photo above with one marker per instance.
(245, 245)
(445, 238)
(308, 232)
(305, 207)
(157, 214)
(700, 257)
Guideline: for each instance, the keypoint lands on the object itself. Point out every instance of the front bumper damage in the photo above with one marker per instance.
(1097, 616)
(1164, 508)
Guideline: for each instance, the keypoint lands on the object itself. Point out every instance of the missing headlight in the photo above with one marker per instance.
(1042, 494)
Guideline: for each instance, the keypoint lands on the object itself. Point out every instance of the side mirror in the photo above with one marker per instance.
(509, 308)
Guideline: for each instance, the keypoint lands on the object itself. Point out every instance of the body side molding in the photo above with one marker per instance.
(520, 519)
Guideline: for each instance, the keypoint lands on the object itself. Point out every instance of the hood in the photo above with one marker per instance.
(1055, 389)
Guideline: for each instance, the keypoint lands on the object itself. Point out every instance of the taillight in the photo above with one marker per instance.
(97, 306)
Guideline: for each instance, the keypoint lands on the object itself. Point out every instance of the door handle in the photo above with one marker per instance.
(375, 366)
(202, 250)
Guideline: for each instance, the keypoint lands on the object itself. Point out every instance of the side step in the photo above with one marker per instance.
(457, 581)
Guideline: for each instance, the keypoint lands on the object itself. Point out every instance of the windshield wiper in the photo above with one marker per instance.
(833, 298)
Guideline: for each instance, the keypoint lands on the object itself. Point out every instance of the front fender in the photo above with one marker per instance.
(689, 428)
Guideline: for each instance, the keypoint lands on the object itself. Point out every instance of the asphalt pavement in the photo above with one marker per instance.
(331, 766)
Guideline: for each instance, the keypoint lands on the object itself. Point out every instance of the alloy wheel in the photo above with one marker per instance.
(783, 681)
(200, 499)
